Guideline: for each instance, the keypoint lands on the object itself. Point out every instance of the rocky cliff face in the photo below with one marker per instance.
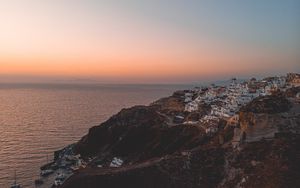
(159, 154)
(265, 116)
(270, 104)
(136, 134)
(292, 92)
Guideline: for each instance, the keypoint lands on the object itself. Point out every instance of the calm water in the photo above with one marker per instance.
(36, 120)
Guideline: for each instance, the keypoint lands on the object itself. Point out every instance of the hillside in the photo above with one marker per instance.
(217, 136)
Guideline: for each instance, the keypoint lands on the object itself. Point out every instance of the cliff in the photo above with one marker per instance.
(158, 153)
(268, 115)
(136, 134)
(268, 104)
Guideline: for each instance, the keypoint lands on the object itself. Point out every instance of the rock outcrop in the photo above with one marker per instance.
(270, 104)
(262, 117)
(292, 92)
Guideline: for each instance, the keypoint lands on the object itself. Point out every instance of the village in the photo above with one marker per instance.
(225, 101)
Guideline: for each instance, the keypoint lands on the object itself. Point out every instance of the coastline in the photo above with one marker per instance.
(215, 128)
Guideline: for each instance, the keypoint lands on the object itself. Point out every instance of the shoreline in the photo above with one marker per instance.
(210, 124)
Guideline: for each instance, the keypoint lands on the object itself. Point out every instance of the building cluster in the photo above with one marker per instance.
(225, 101)
(64, 165)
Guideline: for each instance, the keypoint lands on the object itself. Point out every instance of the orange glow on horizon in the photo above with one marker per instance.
(122, 65)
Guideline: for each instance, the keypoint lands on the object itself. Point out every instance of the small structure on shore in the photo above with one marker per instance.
(116, 162)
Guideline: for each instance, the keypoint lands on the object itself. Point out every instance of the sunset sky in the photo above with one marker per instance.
(154, 41)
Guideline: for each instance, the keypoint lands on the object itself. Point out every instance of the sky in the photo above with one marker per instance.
(153, 41)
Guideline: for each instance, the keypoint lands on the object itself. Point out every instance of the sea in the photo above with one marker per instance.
(38, 119)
